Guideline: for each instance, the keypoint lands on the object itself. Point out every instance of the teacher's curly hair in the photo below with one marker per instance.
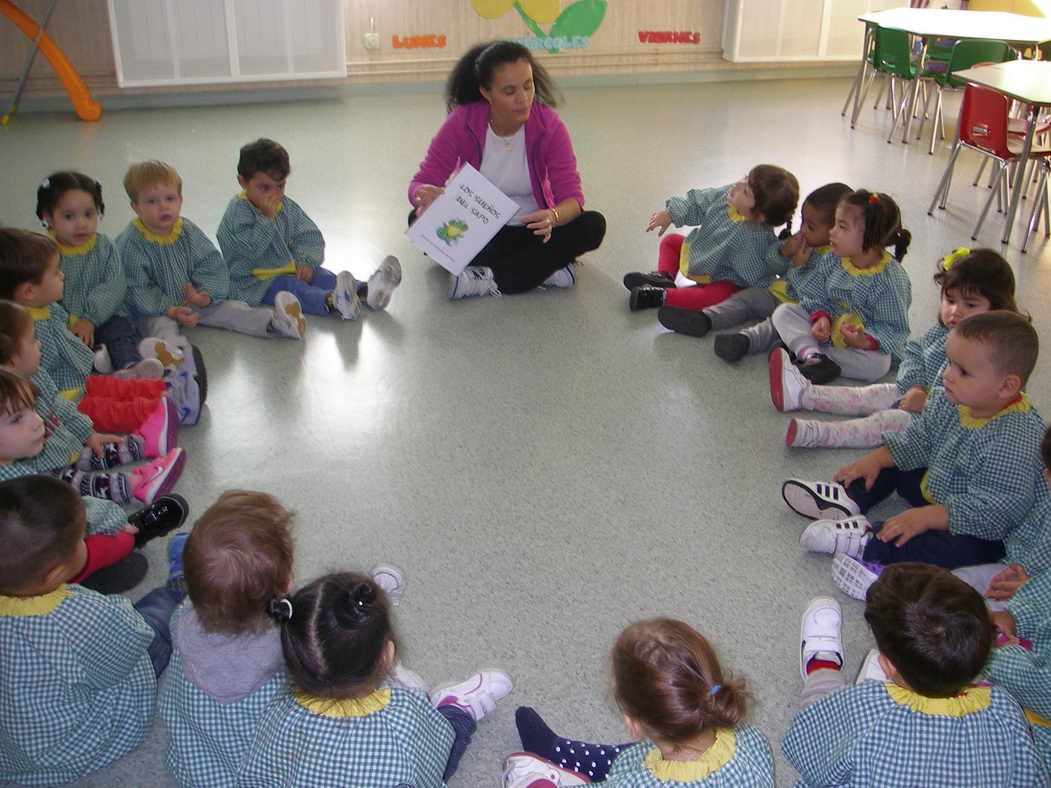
(475, 69)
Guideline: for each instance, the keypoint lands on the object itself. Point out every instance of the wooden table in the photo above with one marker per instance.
(1027, 81)
(928, 23)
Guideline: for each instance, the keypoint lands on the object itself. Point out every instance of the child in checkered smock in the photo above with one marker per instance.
(923, 723)
(971, 282)
(853, 312)
(733, 245)
(79, 669)
(684, 712)
(336, 724)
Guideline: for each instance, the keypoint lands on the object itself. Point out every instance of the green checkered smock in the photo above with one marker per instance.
(257, 248)
(1027, 674)
(985, 471)
(406, 742)
(724, 246)
(880, 296)
(62, 355)
(76, 684)
(157, 267)
(924, 360)
(1030, 543)
(95, 286)
(861, 736)
(56, 410)
(749, 766)
(207, 739)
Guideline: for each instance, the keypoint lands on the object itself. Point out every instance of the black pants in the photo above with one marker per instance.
(520, 261)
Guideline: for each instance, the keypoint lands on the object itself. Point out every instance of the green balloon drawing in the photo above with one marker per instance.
(452, 231)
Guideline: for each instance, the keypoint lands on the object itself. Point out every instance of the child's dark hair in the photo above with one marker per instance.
(882, 219)
(666, 675)
(334, 635)
(776, 193)
(475, 70)
(24, 256)
(931, 625)
(41, 520)
(978, 272)
(824, 200)
(264, 156)
(58, 183)
(1014, 344)
(15, 321)
(16, 393)
(238, 558)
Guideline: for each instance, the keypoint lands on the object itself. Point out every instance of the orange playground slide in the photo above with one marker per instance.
(85, 106)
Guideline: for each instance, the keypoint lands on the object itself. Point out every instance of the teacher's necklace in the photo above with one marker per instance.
(508, 141)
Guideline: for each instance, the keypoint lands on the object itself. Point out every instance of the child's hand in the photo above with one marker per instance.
(268, 204)
(183, 315)
(196, 297)
(98, 438)
(792, 245)
(913, 400)
(1006, 583)
(866, 468)
(1004, 623)
(304, 273)
(425, 195)
(85, 331)
(660, 219)
(128, 528)
(854, 336)
(821, 330)
(902, 527)
(802, 257)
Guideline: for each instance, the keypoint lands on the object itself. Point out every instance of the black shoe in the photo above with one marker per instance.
(202, 373)
(159, 518)
(819, 369)
(732, 347)
(654, 279)
(646, 298)
(684, 321)
(122, 576)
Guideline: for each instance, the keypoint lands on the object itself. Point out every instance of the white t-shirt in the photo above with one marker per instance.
(508, 170)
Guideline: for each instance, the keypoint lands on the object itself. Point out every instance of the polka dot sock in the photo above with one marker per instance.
(592, 760)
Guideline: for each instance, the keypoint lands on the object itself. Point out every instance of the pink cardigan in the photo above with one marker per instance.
(549, 152)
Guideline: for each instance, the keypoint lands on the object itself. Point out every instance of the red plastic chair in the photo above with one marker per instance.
(983, 128)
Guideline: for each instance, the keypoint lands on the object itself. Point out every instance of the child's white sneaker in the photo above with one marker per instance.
(472, 281)
(520, 766)
(407, 678)
(476, 695)
(391, 579)
(563, 277)
(847, 537)
(819, 633)
(102, 363)
(787, 384)
(818, 500)
(871, 670)
(853, 576)
(288, 319)
(383, 282)
(345, 296)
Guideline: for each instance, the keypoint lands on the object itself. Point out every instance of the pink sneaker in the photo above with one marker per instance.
(160, 429)
(156, 478)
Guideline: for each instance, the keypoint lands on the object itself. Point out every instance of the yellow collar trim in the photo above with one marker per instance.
(73, 251)
(1036, 719)
(1021, 405)
(352, 707)
(708, 762)
(164, 240)
(734, 214)
(244, 196)
(39, 312)
(970, 700)
(853, 270)
(25, 606)
(823, 249)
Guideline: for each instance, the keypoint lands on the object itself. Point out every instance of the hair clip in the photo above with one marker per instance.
(46, 183)
(952, 257)
(281, 608)
(873, 197)
(715, 688)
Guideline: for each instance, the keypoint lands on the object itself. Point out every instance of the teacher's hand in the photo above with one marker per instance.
(541, 222)
(425, 195)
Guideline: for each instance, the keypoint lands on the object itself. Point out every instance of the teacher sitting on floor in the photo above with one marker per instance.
(523, 148)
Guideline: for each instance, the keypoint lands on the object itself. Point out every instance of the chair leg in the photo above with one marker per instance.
(996, 191)
(864, 94)
(929, 93)
(1040, 209)
(901, 112)
(939, 121)
(943, 186)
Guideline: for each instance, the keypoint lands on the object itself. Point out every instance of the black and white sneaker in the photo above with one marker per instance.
(160, 518)
(646, 298)
(652, 279)
(819, 500)
(692, 322)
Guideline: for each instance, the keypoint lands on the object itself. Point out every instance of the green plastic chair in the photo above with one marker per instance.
(892, 60)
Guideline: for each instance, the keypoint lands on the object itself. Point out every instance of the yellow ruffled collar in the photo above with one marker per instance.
(25, 606)
(352, 707)
(244, 196)
(1020, 405)
(853, 270)
(734, 214)
(39, 312)
(164, 240)
(968, 701)
(73, 251)
(708, 762)
(822, 249)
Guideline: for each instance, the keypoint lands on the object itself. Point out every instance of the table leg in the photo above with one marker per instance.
(1020, 172)
(915, 91)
